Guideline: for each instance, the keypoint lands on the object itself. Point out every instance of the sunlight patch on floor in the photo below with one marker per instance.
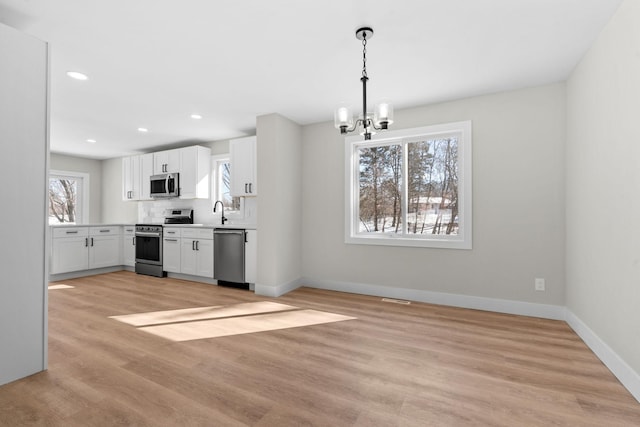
(60, 287)
(201, 313)
(221, 321)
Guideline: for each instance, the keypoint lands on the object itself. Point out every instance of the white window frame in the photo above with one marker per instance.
(462, 240)
(83, 192)
(216, 160)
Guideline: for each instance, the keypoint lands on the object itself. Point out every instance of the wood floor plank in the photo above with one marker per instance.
(393, 365)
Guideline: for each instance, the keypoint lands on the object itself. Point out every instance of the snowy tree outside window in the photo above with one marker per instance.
(411, 187)
(66, 198)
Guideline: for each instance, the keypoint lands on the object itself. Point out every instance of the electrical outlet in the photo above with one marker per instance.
(539, 282)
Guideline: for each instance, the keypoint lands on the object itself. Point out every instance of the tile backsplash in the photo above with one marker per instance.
(152, 212)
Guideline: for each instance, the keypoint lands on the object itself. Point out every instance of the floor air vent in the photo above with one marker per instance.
(396, 301)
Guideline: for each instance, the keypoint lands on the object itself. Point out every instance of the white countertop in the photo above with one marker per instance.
(88, 225)
(238, 226)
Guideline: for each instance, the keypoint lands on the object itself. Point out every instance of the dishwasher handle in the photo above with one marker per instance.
(226, 231)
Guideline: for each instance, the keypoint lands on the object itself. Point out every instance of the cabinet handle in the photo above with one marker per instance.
(197, 245)
(72, 232)
(171, 232)
(92, 241)
(133, 241)
(245, 188)
(86, 242)
(170, 240)
(250, 190)
(105, 231)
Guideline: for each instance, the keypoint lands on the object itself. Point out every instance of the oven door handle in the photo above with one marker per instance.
(144, 234)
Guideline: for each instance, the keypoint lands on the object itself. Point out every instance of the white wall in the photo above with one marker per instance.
(89, 166)
(23, 260)
(518, 196)
(603, 187)
(279, 147)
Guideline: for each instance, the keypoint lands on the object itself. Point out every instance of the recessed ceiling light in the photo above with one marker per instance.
(196, 116)
(143, 130)
(77, 75)
(91, 141)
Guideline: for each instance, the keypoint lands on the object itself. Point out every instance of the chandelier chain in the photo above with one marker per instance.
(364, 55)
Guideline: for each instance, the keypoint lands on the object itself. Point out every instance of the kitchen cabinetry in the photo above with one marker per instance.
(243, 167)
(131, 182)
(251, 256)
(129, 245)
(196, 256)
(104, 247)
(136, 171)
(85, 248)
(195, 167)
(146, 170)
(166, 161)
(171, 249)
(69, 249)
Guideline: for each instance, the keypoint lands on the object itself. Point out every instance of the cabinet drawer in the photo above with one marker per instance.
(105, 231)
(70, 232)
(198, 233)
(129, 230)
(171, 232)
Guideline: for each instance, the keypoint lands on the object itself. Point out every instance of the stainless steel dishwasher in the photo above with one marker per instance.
(228, 255)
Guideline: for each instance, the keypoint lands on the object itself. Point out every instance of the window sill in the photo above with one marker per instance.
(392, 240)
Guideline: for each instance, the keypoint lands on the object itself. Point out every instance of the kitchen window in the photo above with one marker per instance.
(221, 184)
(68, 201)
(410, 187)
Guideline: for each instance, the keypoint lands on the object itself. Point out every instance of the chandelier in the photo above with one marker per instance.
(383, 113)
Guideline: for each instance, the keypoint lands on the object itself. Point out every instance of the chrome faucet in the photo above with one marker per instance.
(214, 210)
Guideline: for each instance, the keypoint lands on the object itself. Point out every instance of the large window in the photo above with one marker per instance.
(68, 203)
(410, 187)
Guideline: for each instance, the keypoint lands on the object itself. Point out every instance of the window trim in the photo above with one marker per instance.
(463, 240)
(83, 193)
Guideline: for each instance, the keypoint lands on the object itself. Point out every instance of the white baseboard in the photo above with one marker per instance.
(83, 273)
(625, 374)
(279, 290)
(545, 311)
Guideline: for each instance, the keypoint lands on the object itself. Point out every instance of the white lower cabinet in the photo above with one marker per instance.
(171, 250)
(85, 248)
(69, 252)
(251, 256)
(104, 251)
(129, 246)
(196, 256)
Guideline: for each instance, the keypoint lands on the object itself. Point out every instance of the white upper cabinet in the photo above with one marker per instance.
(136, 171)
(195, 167)
(131, 183)
(146, 170)
(166, 161)
(243, 167)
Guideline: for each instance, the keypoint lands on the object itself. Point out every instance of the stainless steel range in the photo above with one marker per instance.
(149, 242)
(149, 249)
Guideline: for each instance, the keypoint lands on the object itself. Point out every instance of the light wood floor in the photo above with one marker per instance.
(395, 365)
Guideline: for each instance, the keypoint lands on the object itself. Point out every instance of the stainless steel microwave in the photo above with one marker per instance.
(165, 185)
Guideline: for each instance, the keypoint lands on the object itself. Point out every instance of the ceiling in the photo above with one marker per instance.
(153, 63)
